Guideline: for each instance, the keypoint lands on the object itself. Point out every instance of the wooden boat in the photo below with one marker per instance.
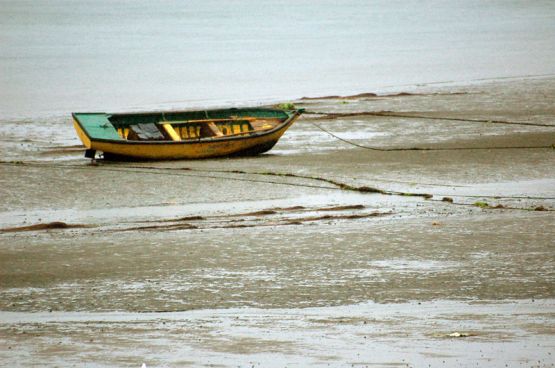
(182, 134)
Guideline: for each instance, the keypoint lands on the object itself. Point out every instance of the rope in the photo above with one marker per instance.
(148, 170)
(450, 185)
(395, 115)
(425, 148)
(337, 185)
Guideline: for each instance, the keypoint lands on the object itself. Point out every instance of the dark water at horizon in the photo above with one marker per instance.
(60, 56)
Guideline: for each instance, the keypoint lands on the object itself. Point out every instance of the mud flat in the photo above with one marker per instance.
(343, 246)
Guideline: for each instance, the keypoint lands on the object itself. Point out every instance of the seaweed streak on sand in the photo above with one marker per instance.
(45, 226)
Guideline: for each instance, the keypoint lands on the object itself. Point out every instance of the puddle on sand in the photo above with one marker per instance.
(407, 265)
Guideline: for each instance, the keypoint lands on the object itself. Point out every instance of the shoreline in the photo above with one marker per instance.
(390, 91)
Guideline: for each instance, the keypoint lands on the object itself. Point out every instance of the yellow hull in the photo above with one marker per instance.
(186, 149)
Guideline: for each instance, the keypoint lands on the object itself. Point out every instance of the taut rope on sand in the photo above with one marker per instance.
(336, 185)
(426, 148)
(326, 115)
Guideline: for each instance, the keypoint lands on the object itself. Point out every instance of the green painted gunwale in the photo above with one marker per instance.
(103, 126)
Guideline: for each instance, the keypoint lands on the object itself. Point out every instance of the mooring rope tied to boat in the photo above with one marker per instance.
(294, 175)
(334, 182)
(334, 115)
(150, 172)
(426, 148)
(337, 185)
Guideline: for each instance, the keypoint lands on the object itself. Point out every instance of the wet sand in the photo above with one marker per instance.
(318, 253)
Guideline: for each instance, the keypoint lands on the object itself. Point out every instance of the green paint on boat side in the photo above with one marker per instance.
(97, 125)
(124, 120)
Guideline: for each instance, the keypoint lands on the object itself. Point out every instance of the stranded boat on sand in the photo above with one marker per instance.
(183, 134)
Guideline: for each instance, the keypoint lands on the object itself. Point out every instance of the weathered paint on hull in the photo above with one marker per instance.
(81, 134)
(251, 145)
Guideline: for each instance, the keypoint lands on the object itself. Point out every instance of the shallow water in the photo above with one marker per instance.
(60, 56)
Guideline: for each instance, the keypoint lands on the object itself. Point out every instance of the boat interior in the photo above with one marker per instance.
(194, 125)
